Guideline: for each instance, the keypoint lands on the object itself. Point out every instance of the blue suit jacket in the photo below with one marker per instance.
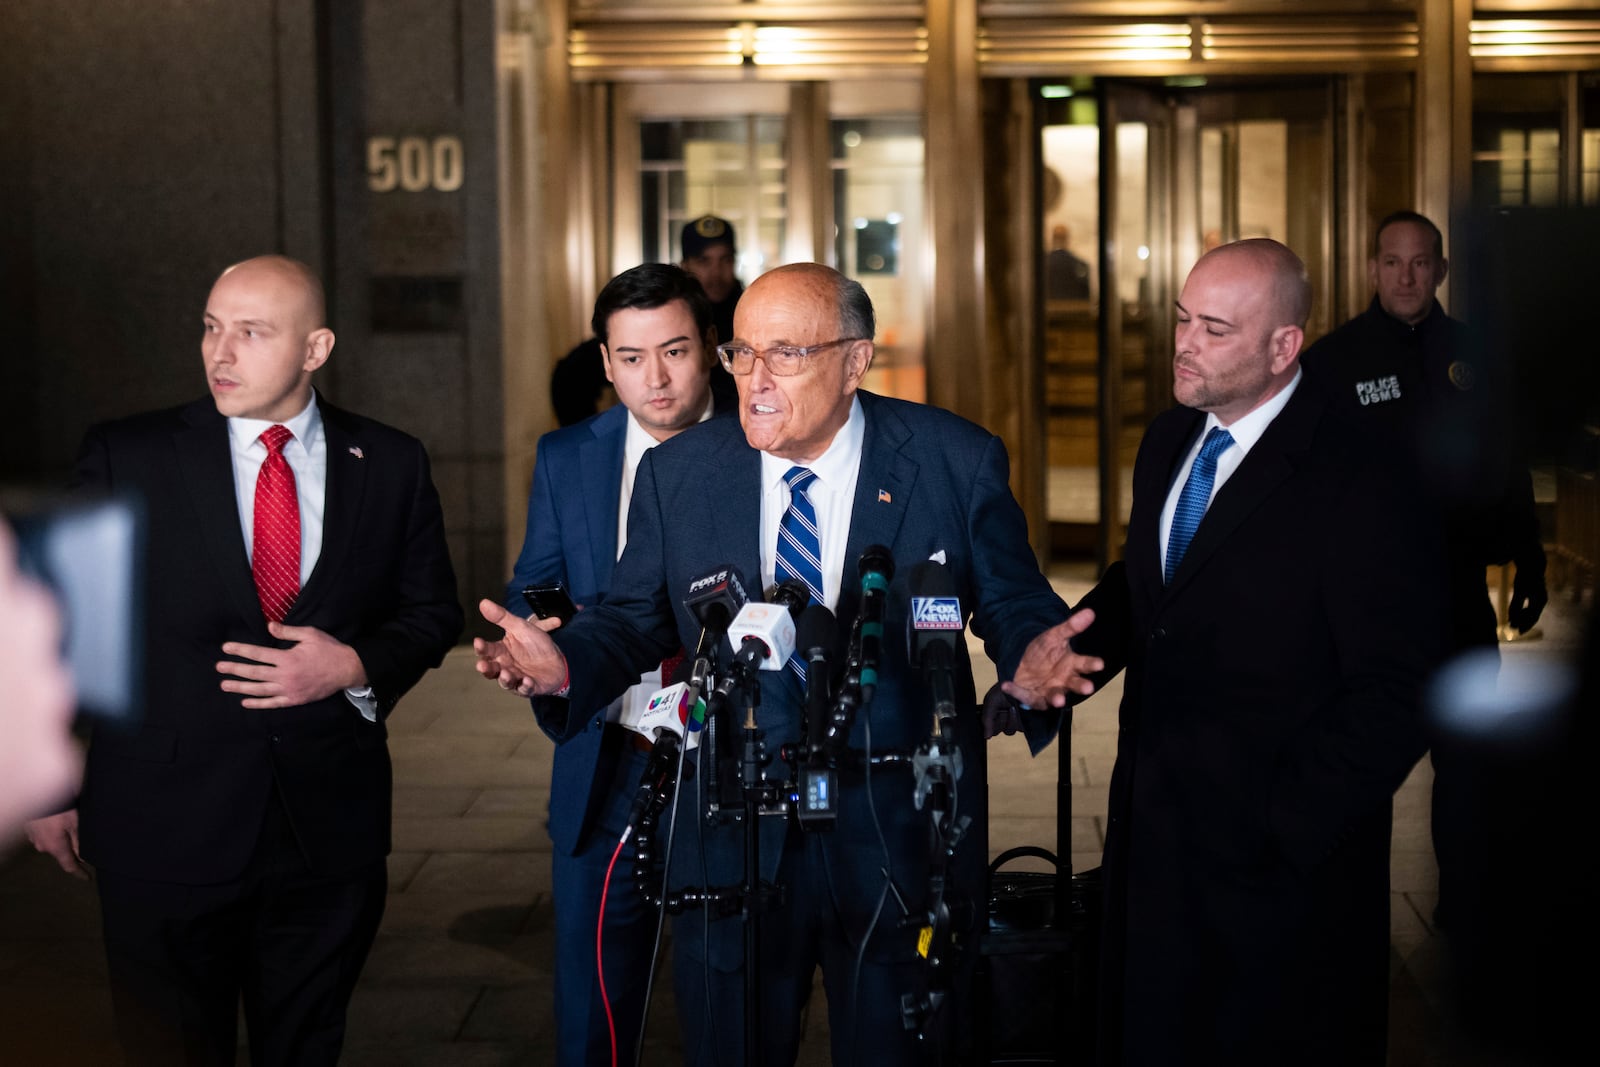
(571, 536)
(929, 482)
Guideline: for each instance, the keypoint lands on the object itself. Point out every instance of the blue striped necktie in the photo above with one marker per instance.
(1195, 497)
(799, 545)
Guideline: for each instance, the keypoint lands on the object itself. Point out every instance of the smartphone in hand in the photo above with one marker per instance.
(549, 601)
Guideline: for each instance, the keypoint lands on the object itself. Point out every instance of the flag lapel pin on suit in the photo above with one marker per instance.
(356, 452)
(884, 497)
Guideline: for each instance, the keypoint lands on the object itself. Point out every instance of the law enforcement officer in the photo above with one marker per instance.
(1423, 379)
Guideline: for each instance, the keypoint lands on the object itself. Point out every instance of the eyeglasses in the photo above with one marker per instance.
(783, 361)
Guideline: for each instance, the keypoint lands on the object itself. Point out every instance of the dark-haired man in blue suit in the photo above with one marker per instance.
(654, 325)
(918, 480)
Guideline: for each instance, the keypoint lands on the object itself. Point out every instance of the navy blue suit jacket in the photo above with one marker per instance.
(929, 482)
(571, 537)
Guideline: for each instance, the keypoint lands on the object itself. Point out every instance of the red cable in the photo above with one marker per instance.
(599, 960)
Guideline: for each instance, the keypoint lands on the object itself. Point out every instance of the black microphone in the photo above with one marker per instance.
(658, 780)
(931, 632)
(714, 599)
(877, 570)
(792, 594)
(816, 634)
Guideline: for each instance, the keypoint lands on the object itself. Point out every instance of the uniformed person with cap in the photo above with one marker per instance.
(1407, 370)
(711, 254)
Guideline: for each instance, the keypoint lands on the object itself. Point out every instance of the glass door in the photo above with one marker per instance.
(1138, 180)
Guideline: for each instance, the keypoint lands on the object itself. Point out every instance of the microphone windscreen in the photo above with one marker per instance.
(931, 579)
(792, 594)
(817, 628)
(876, 559)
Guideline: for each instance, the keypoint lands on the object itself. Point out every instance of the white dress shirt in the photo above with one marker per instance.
(1246, 431)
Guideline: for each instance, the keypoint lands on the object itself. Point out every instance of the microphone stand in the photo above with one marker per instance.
(749, 768)
(755, 896)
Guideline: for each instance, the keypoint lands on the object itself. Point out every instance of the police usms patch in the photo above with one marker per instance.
(1462, 376)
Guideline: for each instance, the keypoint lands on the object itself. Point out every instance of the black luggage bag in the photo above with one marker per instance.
(1038, 953)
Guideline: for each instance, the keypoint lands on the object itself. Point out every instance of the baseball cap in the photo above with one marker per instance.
(707, 230)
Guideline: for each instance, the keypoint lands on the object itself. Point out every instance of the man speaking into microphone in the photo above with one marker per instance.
(816, 472)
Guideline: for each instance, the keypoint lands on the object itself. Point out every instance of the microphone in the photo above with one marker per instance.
(877, 570)
(931, 631)
(714, 599)
(669, 711)
(817, 783)
(793, 595)
(764, 633)
(658, 780)
(816, 634)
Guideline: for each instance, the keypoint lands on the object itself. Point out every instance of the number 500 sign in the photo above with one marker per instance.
(414, 164)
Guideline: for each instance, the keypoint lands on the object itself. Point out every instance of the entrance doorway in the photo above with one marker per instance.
(1139, 179)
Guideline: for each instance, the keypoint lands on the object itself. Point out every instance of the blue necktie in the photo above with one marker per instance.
(1194, 498)
(799, 545)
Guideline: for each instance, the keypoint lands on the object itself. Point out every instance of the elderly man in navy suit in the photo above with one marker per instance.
(1276, 610)
(865, 470)
(654, 325)
(299, 584)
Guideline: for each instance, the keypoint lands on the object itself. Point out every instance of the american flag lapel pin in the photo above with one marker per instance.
(884, 497)
(356, 452)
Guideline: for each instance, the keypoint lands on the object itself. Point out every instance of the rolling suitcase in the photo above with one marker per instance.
(1037, 953)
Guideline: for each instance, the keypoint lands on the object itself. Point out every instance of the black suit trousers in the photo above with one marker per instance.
(289, 943)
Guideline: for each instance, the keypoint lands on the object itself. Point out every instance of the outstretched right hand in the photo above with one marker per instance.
(1051, 672)
(57, 835)
(524, 660)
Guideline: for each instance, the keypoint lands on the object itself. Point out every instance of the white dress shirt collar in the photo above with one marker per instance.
(840, 460)
(245, 432)
(832, 496)
(1247, 429)
(636, 441)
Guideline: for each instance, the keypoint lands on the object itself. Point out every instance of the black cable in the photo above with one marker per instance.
(705, 906)
(883, 895)
(661, 914)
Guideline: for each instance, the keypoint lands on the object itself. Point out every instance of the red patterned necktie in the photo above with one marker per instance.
(275, 559)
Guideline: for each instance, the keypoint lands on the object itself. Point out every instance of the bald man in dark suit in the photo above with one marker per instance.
(299, 584)
(1276, 611)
